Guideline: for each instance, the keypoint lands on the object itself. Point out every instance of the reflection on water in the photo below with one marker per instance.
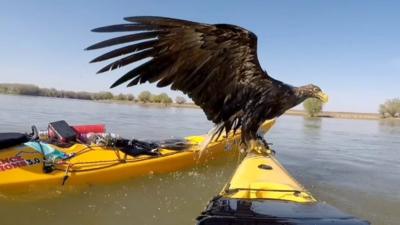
(312, 126)
(390, 122)
(390, 126)
(352, 164)
(312, 123)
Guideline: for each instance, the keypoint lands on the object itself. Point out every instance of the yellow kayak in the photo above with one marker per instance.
(262, 191)
(21, 167)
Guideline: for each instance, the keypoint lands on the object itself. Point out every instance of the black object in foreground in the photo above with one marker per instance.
(135, 147)
(11, 139)
(225, 211)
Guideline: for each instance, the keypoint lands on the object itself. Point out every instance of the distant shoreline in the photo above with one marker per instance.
(152, 104)
(337, 115)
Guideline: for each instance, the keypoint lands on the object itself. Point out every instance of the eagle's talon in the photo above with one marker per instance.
(258, 147)
(264, 143)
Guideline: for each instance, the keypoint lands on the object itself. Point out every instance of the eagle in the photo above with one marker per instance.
(216, 65)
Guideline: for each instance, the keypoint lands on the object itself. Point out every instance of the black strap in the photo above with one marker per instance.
(135, 147)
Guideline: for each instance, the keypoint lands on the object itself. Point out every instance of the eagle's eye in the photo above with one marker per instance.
(315, 89)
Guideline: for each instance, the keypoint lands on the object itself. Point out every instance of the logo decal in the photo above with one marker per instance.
(16, 162)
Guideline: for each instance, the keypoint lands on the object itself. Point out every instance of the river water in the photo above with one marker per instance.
(351, 164)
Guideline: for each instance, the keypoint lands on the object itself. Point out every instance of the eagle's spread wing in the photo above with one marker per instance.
(215, 65)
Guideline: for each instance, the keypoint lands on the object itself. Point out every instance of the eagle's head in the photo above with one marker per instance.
(311, 91)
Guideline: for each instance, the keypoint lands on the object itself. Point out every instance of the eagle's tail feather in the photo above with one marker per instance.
(214, 133)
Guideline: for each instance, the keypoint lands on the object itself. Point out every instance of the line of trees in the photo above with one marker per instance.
(33, 90)
(148, 97)
(390, 108)
(312, 106)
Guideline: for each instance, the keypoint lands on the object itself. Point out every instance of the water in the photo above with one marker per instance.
(351, 164)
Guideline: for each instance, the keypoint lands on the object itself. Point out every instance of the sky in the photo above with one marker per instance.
(351, 49)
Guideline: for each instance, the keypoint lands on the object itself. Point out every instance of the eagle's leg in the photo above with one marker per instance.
(254, 139)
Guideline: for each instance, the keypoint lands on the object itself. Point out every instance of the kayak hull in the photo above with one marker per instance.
(21, 167)
(260, 212)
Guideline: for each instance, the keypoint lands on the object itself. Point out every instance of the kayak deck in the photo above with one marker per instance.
(262, 191)
(263, 177)
(22, 167)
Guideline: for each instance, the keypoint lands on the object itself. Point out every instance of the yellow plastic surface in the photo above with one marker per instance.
(21, 167)
(263, 177)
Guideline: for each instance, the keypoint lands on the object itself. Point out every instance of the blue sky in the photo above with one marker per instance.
(351, 49)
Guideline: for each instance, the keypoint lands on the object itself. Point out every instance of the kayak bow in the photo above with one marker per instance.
(261, 191)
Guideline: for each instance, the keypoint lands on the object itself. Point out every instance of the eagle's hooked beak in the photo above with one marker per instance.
(323, 97)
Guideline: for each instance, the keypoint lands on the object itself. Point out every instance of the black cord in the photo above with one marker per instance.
(35, 138)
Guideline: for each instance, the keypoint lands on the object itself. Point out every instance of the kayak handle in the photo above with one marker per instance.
(35, 133)
(234, 190)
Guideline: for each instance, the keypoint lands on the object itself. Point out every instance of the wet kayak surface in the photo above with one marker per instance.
(353, 165)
